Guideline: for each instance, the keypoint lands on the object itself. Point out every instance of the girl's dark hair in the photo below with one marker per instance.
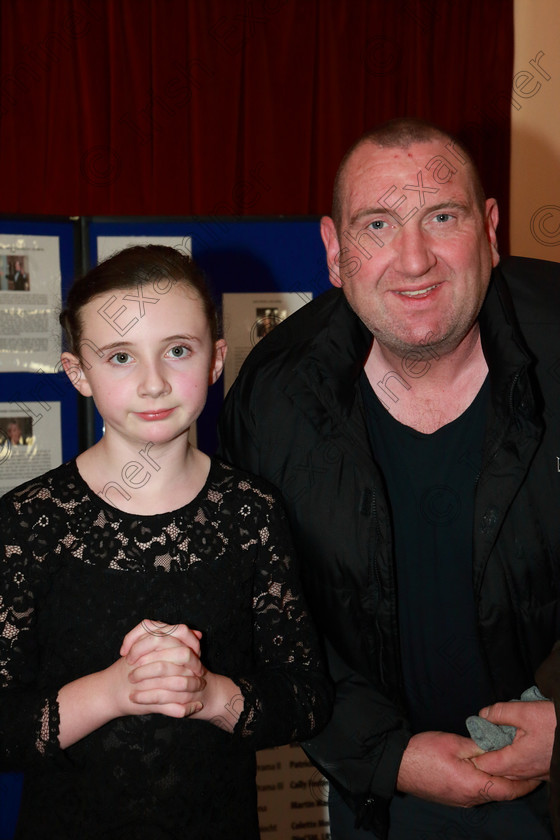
(158, 266)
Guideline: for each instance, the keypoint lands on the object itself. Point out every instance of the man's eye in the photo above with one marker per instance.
(378, 224)
(443, 217)
(120, 358)
(179, 352)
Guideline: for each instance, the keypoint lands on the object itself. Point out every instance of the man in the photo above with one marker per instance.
(410, 418)
(15, 433)
(21, 281)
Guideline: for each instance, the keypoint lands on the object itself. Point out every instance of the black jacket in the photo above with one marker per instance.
(295, 416)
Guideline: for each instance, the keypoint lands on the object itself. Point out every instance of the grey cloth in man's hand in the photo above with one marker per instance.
(493, 736)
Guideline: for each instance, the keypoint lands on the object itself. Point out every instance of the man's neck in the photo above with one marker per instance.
(425, 390)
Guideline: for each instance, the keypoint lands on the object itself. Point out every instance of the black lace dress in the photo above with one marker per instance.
(76, 575)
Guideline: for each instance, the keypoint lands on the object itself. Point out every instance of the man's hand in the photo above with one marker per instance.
(437, 766)
(528, 757)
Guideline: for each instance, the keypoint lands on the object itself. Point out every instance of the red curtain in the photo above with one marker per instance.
(227, 107)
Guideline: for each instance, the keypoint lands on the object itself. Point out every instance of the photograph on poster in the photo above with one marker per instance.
(30, 441)
(248, 318)
(266, 319)
(14, 276)
(30, 293)
(16, 430)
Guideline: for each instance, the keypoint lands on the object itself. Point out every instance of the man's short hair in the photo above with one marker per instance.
(401, 133)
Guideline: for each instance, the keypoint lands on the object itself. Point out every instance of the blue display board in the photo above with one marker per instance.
(24, 388)
(32, 395)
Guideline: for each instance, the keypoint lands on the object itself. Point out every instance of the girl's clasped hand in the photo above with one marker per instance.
(163, 670)
(165, 675)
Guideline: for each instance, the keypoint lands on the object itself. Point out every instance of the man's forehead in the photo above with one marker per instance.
(432, 164)
(382, 159)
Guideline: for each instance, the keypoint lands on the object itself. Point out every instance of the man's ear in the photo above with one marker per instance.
(492, 218)
(74, 371)
(218, 361)
(332, 247)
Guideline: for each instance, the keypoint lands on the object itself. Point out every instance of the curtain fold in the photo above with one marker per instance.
(235, 107)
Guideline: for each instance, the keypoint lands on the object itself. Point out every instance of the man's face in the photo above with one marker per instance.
(14, 432)
(412, 255)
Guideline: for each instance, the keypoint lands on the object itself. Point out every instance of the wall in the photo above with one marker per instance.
(535, 154)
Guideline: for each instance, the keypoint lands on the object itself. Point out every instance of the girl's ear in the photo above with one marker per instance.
(75, 373)
(217, 366)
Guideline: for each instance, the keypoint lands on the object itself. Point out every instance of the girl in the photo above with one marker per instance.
(148, 733)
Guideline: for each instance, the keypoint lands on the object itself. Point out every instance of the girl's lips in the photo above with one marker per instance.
(154, 415)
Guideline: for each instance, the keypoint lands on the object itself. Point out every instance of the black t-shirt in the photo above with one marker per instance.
(430, 480)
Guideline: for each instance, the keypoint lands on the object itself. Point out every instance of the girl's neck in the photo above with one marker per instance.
(147, 480)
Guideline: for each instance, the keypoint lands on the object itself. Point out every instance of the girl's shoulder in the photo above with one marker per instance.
(43, 512)
(60, 484)
(239, 484)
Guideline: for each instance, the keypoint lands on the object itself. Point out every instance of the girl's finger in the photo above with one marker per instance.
(131, 637)
(160, 630)
(162, 669)
(146, 643)
(176, 710)
(158, 693)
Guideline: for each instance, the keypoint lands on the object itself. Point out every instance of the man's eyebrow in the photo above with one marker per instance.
(368, 211)
(445, 205)
(428, 208)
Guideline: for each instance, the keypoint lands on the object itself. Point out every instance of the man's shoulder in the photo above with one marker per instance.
(305, 362)
(534, 286)
(244, 485)
(533, 289)
(292, 338)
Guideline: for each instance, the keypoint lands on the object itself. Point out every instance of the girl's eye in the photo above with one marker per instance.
(120, 358)
(179, 352)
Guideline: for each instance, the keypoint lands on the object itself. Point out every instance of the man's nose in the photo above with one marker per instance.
(414, 253)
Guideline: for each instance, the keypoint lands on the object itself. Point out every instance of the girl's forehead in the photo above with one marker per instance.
(144, 298)
(124, 309)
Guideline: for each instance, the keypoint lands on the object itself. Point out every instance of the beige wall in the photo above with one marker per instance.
(535, 164)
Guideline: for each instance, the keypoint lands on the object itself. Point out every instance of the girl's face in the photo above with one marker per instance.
(147, 360)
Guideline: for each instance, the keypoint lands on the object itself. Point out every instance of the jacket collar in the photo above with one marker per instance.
(334, 359)
(508, 359)
(336, 356)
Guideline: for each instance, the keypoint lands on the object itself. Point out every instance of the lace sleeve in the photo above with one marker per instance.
(288, 697)
(28, 716)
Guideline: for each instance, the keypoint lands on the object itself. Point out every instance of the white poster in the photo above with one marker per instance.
(109, 245)
(30, 292)
(30, 441)
(292, 796)
(248, 318)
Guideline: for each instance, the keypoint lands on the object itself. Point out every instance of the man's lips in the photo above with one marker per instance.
(416, 293)
(160, 414)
